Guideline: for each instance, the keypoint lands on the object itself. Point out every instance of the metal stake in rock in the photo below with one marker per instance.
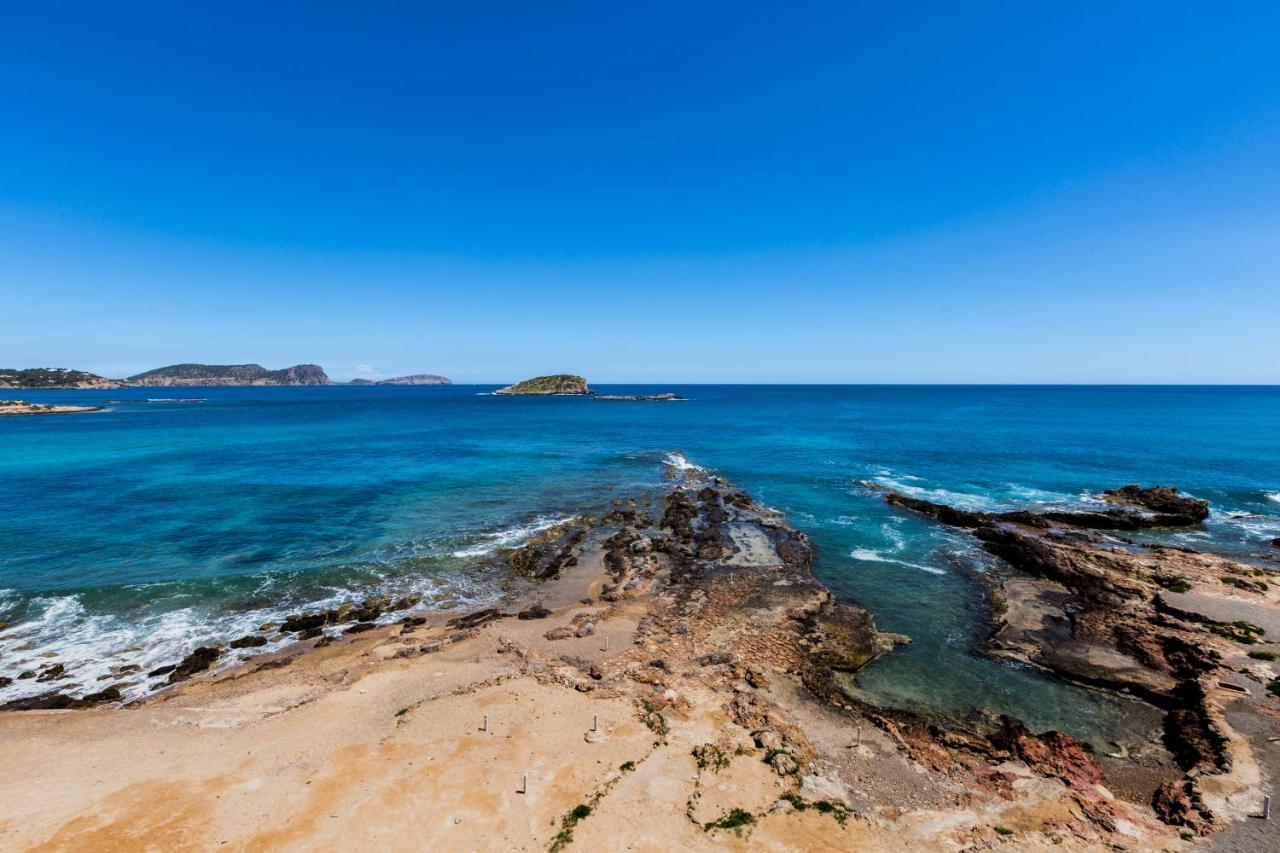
(485, 726)
(1266, 807)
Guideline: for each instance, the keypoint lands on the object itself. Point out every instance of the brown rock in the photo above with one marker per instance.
(198, 661)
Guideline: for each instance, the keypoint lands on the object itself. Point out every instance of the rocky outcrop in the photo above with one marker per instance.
(230, 374)
(1092, 608)
(548, 553)
(639, 398)
(1175, 509)
(560, 384)
(22, 407)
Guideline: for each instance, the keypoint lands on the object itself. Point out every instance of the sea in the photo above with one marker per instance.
(134, 535)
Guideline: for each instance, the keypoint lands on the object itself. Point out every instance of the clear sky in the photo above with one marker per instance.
(695, 191)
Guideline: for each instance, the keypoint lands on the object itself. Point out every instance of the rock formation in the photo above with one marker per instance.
(1165, 624)
(559, 384)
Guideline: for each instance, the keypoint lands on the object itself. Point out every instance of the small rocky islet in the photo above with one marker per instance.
(570, 385)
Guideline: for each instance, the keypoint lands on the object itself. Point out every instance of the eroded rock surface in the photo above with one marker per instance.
(1103, 611)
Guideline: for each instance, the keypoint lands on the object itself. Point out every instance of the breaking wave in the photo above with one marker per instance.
(512, 536)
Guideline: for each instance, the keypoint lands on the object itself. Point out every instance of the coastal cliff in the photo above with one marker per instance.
(230, 374)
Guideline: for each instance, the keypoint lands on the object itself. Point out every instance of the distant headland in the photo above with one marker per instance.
(415, 379)
(231, 374)
(194, 375)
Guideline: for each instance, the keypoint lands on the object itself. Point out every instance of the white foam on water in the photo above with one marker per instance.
(512, 536)
(867, 555)
(964, 500)
(1045, 497)
(681, 464)
(62, 630)
(1273, 496)
(894, 536)
(1252, 525)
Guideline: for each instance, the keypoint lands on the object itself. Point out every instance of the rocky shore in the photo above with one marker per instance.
(663, 675)
(1192, 633)
(22, 407)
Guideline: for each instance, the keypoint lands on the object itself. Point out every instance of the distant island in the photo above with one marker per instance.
(557, 384)
(231, 374)
(569, 385)
(415, 379)
(53, 377)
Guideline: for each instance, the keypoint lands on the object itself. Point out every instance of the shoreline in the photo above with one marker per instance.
(25, 408)
(689, 661)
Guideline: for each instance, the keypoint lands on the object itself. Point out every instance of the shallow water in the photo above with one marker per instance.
(134, 535)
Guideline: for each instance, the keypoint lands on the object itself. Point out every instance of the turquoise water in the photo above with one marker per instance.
(136, 534)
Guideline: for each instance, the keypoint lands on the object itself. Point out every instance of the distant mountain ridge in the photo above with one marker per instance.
(231, 374)
(414, 379)
(191, 374)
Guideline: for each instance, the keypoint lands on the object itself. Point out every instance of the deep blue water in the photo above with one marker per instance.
(146, 530)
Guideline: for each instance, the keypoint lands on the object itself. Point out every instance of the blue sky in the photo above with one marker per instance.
(701, 192)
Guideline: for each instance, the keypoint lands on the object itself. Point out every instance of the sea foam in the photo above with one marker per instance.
(867, 555)
(512, 536)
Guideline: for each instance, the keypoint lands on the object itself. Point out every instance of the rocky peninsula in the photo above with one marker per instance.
(22, 407)
(670, 656)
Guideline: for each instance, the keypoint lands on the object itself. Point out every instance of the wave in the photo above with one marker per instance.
(867, 555)
(681, 464)
(512, 535)
(1273, 496)
(95, 646)
(1253, 525)
(964, 500)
